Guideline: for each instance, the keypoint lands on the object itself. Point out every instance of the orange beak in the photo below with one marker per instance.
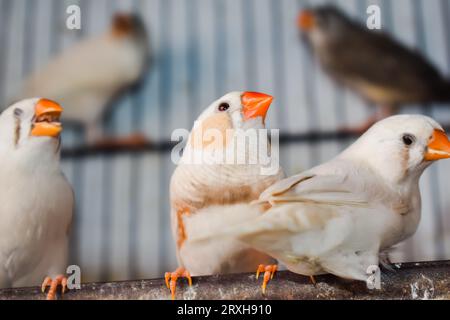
(255, 104)
(438, 147)
(306, 20)
(46, 123)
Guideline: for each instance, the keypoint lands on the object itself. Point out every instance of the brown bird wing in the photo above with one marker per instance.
(376, 60)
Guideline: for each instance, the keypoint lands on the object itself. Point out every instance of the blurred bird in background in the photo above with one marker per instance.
(87, 76)
(337, 217)
(36, 202)
(213, 186)
(371, 63)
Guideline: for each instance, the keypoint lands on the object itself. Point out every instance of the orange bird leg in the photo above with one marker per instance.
(172, 277)
(313, 280)
(53, 284)
(269, 272)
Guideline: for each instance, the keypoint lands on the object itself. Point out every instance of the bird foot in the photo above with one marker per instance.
(53, 284)
(172, 277)
(269, 272)
(135, 140)
(313, 280)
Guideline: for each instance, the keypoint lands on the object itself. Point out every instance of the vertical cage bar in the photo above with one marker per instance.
(107, 190)
(193, 63)
(278, 62)
(446, 19)
(220, 63)
(5, 21)
(137, 102)
(165, 105)
(78, 180)
(249, 44)
(28, 46)
(433, 171)
(308, 77)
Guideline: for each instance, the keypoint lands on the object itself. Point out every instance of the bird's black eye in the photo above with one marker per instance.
(224, 106)
(408, 139)
(18, 112)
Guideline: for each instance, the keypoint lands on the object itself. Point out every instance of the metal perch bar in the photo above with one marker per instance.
(424, 280)
(166, 146)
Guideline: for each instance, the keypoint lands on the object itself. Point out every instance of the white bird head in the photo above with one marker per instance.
(31, 126)
(401, 147)
(239, 110)
(227, 120)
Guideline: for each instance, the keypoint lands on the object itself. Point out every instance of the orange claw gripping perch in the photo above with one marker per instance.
(269, 272)
(172, 277)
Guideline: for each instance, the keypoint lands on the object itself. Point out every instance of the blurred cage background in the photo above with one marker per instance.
(202, 49)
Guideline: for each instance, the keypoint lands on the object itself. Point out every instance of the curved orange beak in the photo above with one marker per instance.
(438, 147)
(306, 20)
(46, 123)
(255, 104)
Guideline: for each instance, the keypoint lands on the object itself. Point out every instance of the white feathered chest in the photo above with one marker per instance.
(35, 213)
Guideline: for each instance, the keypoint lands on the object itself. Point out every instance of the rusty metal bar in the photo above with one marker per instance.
(425, 280)
(166, 146)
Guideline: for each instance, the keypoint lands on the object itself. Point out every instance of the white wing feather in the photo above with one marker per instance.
(315, 219)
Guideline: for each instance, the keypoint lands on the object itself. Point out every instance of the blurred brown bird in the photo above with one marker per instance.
(371, 63)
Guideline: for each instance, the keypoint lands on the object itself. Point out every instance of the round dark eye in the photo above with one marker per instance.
(18, 112)
(224, 106)
(408, 139)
